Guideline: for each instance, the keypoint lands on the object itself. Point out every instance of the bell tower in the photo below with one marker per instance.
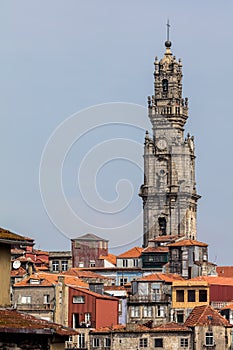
(169, 190)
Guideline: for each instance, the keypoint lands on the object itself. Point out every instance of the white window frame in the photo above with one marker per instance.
(123, 280)
(96, 342)
(209, 339)
(147, 311)
(143, 342)
(78, 299)
(125, 262)
(64, 265)
(46, 299)
(161, 311)
(26, 299)
(134, 312)
(55, 265)
(107, 342)
(81, 340)
(184, 342)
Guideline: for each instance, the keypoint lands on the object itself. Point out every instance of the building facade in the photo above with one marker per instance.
(169, 190)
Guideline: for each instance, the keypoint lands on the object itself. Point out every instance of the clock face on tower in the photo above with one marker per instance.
(161, 144)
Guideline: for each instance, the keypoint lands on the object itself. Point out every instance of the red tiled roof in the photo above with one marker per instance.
(205, 315)
(134, 252)
(228, 306)
(117, 327)
(227, 281)
(167, 277)
(225, 271)
(155, 250)
(166, 238)
(114, 288)
(188, 242)
(17, 322)
(76, 271)
(19, 272)
(171, 327)
(97, 295)
(49, 279)
(7, 235)
(110, 258)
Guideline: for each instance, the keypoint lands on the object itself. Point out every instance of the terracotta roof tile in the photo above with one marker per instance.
(16, 322)
(49, 279)
(228, 306)
(114, 288)
(188, 242)
(227, 281)
(166, 238)
(8, 235)
(110, 258)
(205, 315)
(19, 272)
(166, 277)
(225, 271)
(155, 250)
(134, 252)
(171, 327)
(75, 271)
(97, 295)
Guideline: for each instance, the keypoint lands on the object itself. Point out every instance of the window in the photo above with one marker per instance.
(46, 298)
(81, 264)
(134, 311)
(160, 311)
(158, 342)
(96, 342)
(107, 342)
(179, 295)
(162, 226)
(87, 318)
(209, 338)
(26, 300)
(120, 307)
(123, 281)
(135, 262)
(78, 299)
(55, 265)
(75, 318)
(92, 263)
(202, 295)
(165, 85)
(60, 297)
(125, 263)
(81, 340)
(143, 343)
(34, 281)
(180, 316)
(64, 265)
(147, 311)
(191, 296)
(184, 342)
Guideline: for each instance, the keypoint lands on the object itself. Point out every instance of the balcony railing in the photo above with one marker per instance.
(149, 298)
(73, 345)
(49, 306)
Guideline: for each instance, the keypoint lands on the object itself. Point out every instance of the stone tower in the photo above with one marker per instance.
(169, 190)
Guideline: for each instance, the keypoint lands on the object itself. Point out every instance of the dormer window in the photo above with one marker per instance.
(34, 281)
(165, 85)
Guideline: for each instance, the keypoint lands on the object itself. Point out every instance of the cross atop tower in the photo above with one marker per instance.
(168, 29)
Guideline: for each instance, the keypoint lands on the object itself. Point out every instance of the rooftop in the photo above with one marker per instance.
(12, 321)
(225, 271)
(76, 271)
(134, 252)
(89, 237)
(166, 277)
(204, 316)
(155, 250)
(187, 243)
(110, 258)
(7, 236)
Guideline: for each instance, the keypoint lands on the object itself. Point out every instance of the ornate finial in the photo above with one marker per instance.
(167, 42)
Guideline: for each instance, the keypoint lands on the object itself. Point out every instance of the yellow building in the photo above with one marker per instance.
(185, 296)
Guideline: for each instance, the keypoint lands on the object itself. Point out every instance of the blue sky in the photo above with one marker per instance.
(59, 57)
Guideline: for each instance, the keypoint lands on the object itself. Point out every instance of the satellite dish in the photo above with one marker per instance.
(16, 264)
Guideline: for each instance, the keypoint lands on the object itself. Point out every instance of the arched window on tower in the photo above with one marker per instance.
(165, 85)
(162, 226)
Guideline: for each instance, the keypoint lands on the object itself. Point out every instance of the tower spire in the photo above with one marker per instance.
(168, 43)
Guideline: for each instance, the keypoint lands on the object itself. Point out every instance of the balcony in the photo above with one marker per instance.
(69, 345)
(34, 307)
(149, 298)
